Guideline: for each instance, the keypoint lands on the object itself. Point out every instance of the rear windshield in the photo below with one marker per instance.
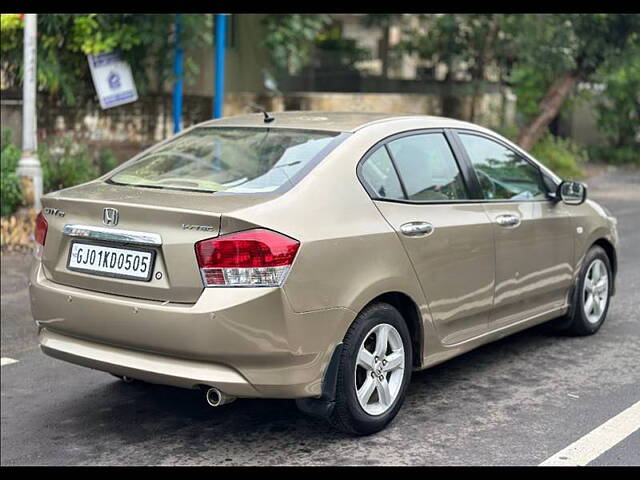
(243, 160)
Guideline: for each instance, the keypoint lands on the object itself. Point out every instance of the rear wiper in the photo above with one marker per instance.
(287, 164)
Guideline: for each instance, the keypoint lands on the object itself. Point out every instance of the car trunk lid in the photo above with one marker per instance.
(165, 222)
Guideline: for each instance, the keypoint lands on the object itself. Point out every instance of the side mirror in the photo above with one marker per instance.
(572, 193)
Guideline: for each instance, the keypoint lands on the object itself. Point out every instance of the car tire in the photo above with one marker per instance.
(584, 318)
(390, 377)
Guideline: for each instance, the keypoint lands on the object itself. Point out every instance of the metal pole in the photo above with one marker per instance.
(28, 168)
(177, 69)
(218, 94)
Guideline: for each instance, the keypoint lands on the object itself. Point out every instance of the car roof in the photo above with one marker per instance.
(354, 121)
(330, 121)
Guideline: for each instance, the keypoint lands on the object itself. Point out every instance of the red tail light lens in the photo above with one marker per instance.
(259, 258)
(40, 234)
(41, 229)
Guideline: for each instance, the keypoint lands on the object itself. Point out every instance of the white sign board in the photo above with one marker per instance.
(113, 79)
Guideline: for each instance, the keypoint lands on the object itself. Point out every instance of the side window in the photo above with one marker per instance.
(427, 168)
(503, 174)
(379, 173)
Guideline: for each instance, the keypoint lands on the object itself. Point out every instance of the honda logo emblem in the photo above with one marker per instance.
(110, 216)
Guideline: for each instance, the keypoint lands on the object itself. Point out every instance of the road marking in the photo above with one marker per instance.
(598, 440)
(7, 361)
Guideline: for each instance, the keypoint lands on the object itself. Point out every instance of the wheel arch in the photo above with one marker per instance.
(410, 311)
(610, 250)
(323, 407)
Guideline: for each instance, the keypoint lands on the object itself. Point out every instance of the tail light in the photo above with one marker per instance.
(253, 258)
(40, 234)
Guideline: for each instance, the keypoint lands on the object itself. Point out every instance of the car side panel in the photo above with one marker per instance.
(454, 264)
(349, 254)
(591, 223)
(534, 260)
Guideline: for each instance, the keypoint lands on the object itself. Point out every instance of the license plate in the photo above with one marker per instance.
(133, 264)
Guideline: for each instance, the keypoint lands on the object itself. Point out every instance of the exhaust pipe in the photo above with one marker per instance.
(216, 398)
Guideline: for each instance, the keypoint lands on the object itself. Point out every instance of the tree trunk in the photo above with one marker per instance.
(384, 51)
(478, 72)
(450, 103)
(549, 108)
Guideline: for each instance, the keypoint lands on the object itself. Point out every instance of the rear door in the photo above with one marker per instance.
(533, 235)
(418, 187)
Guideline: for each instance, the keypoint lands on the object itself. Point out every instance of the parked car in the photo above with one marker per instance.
(316, 256)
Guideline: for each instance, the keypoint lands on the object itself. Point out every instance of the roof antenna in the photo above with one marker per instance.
(267, 118)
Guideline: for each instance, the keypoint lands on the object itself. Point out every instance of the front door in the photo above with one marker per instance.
(533, 235)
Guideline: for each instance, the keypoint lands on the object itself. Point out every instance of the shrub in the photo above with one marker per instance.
(561, 155)
(618, 113)
(10, 187)
(628, 155)
(107, 161)
(64, 164)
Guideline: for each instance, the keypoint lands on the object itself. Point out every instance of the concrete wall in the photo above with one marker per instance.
(11, 115)
(494, 110)
(125, 129)
(129, 128)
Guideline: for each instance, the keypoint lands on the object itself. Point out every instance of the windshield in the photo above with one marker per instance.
(243, 160)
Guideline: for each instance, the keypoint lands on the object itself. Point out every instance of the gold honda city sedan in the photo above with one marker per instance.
(315, 256)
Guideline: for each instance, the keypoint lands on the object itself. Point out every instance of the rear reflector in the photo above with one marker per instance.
(258, 258)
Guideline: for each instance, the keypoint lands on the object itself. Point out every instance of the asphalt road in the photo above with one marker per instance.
(514, 402)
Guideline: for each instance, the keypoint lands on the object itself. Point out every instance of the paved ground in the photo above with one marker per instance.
(514, 402)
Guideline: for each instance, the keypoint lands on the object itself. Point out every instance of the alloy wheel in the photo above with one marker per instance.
(596, 291)
(379, 369)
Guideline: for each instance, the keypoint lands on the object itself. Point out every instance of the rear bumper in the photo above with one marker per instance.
(248, 342)
(144, 366)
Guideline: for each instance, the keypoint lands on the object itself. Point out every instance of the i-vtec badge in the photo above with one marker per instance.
(110, 216)
(200, 228)
(54, 211)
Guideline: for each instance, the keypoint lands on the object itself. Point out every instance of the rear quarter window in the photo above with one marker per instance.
(380, 175)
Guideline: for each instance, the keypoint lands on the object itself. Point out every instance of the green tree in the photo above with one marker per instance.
(10, 187)
(64, 41)
(618, 110)
(468, 44)
(344, 52)
(289, 39)
(384, 22)
(565, 49)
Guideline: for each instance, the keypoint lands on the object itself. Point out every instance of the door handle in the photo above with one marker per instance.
(508, 220)
(416, 229)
